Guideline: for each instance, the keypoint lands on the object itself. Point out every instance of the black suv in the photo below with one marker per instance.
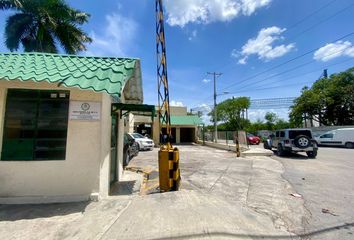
(130, 149)
(293, 140)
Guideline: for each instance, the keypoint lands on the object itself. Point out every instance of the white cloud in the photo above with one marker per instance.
(263, 46)
(205, 80)
(334, 50)
(115, 38)
(204, 108)
(182, 12)
(174, 103)
(193, 35)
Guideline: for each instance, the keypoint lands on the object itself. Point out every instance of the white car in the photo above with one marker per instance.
(340, 137)
(144, 142)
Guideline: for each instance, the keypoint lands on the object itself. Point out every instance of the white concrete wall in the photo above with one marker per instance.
(76, 177)
(178, 111)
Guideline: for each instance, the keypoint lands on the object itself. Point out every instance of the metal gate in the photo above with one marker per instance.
(114, 131)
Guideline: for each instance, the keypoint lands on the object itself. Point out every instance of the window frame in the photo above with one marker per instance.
(39, 98)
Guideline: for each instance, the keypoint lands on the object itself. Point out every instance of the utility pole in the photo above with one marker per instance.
(215, 112)
(325, 73)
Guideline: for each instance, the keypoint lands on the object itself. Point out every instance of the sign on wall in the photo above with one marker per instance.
(84, 110)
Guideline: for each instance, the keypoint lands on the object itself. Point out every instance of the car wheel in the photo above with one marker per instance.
(349, 145)
(266, 146)
(302, 141)
(280, 150)
(312, 154)
(127, 158)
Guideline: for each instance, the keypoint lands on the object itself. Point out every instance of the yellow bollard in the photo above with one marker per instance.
(169, 172)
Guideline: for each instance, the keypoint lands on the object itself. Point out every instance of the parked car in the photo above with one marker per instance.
(253, 140)
(130, 149)
(144, 143)
(292, 140)
(339, 137)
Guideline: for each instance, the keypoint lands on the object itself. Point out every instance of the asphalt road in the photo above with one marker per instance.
(327, 186)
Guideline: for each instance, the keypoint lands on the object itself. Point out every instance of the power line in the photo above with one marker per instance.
(311, 14)
(322, 21)
(292, 69)
(302, 20)
(294, 84)
(286, 62)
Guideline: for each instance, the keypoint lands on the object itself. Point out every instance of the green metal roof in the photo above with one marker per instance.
(101, 74)
(186, 120)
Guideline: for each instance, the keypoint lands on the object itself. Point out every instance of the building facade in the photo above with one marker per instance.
(60, 140)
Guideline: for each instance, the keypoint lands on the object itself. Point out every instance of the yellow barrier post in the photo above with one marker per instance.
(169, 172)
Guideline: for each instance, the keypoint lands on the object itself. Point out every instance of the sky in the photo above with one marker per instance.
(263, 48)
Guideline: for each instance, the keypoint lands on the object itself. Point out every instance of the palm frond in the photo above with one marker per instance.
(71, 38)
(47, 43)
(17, 27)
(10, 4)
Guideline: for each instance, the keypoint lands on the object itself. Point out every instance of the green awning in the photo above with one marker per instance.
(186, 120)
(136, 109)
(100, 74)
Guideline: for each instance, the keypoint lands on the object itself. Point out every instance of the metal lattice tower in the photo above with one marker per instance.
(163, 93)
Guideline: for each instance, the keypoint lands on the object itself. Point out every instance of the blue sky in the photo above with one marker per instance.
(239, 38)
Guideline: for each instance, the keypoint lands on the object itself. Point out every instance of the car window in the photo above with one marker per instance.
(327, 135)
(294, 133)
(137, 135)
(276, 134)
(282, 134)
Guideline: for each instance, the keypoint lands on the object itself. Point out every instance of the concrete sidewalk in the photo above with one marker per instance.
(257, 150)
(246, 151)
(221, 197)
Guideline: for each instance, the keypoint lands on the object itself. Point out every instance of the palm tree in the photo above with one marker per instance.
(42, 25)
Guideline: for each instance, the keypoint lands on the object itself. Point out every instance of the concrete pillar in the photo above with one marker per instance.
(120, 146)
(105, 156)
(131, 123)
(178, 135)
(156, 131)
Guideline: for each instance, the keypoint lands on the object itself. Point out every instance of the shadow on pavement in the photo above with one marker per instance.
(33, 211)
(345, 226)
(123, 188)
(294, 156)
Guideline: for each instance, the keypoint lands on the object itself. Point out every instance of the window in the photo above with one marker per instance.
(36, 125)
(137, 135)
(282, 134)
(294, 133)
(327, 135)
(276, 134)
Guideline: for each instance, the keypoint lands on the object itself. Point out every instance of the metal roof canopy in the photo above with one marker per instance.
(136, 109)
(112, 75)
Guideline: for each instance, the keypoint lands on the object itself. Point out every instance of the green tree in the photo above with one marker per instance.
(256, 126)
(230, 113)
(39, 25)
(270, 118)
(329, 101)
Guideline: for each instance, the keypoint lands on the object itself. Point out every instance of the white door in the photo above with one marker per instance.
(328, 139)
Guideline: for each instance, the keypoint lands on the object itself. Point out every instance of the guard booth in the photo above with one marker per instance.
(60, 141)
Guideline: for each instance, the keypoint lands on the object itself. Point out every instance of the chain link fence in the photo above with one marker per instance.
(225, 137)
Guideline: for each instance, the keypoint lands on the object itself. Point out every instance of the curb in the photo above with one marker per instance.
(254, 154)
(148, 185)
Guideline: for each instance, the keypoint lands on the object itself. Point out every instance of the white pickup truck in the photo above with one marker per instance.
(339, 137)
